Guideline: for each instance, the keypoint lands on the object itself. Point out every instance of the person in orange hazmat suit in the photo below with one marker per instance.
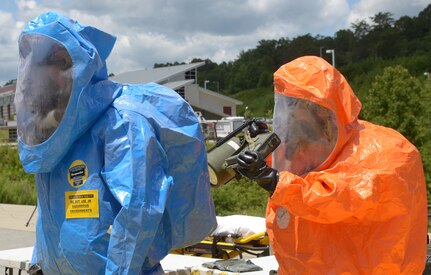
(347, 196)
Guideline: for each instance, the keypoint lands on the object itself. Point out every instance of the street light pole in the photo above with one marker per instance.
(205, 84)
(332, 51)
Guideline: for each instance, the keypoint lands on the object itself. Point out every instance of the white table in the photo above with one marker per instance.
(18, 260)
(15, 261)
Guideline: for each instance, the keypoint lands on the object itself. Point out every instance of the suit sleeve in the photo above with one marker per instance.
(135, 172)
(156, 168)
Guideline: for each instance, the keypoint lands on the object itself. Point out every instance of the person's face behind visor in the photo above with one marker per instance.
(308, 134)
(43, 87)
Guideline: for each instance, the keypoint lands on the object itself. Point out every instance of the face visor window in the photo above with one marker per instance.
(44, 85)
(308, 134)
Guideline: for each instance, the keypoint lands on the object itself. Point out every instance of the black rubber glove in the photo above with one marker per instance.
(35, 269)
(254, 167)
(257, 127)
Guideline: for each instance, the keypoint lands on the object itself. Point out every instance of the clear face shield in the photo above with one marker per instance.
(308, 134)
(43, 89)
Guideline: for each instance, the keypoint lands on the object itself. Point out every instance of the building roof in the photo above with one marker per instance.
(157, 75)
(178, 84)
(7, 94)
(9, 89)
(175, 77)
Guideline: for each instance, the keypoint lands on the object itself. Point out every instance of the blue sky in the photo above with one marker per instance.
(162, 31)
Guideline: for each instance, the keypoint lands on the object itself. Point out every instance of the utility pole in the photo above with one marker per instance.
(332, 51)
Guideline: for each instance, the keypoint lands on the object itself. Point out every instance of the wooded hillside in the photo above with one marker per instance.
(387, 62)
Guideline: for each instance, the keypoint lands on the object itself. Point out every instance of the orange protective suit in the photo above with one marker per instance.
(364, 210)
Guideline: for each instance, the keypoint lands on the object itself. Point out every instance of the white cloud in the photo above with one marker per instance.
(365, 9)
(162, 31)
(26, 4)
(9, 51)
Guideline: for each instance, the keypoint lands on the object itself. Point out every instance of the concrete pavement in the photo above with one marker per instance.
(16, 240)
(13, 230)
(15, 234)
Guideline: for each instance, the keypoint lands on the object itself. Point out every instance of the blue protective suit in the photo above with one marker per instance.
(123, 179)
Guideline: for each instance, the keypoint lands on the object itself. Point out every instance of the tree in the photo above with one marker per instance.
(399, 101)
(343, 42)
(424, 20)
(383, 20)
(299, 46)
(360, 29)
(385, 39)
(396, 100)
(426, 148)
(161, 65)
(10, 82)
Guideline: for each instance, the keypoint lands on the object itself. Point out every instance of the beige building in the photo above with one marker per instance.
(180, 78)
(183, 80)
(7, 114)
(7, 108)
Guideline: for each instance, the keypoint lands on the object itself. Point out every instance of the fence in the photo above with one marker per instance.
(8, 135)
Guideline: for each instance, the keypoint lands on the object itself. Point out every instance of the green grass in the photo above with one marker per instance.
(237, 197)
(260, 102)
(241, 197)
(16, 187)
(3, 135)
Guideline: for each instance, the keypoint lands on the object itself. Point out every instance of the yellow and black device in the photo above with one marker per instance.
(222, 156)
(229, 246)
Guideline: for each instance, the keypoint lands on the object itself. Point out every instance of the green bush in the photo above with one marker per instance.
(400, 101)
(16, 187)
(242, 197)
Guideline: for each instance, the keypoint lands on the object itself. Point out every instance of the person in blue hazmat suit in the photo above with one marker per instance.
(121, 170)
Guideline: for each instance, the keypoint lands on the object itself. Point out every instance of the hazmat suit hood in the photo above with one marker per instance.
(369, 186)
(121, 170)
(311, 79)
(62, 87)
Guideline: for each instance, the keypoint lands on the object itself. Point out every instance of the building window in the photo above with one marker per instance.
(13, 135)
(181, 92)
(190, 74)
(227, 110)
(1, 111)
(8, 112)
